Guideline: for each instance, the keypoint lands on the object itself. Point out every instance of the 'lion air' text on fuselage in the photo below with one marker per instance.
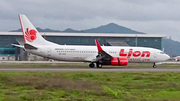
(134, 53)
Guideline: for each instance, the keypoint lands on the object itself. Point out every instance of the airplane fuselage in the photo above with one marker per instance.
(89, 53)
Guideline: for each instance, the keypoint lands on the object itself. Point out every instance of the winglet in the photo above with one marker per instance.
(98, 46)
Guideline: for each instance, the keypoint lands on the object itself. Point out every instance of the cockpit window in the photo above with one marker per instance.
(162, 52)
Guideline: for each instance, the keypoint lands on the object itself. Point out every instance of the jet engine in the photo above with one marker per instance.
(119, 61)
(115, 61)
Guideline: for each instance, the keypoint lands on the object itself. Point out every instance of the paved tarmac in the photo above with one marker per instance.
(91, 69)
(109, 69)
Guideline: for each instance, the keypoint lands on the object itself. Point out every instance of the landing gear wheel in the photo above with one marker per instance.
(91, 65)
(154, 65)
(98, 65)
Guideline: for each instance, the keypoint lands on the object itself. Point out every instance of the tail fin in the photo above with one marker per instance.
(30, 33)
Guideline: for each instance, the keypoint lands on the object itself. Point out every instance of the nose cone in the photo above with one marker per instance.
(166, 57)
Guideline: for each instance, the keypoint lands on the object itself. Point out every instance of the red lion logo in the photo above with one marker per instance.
(30, 35)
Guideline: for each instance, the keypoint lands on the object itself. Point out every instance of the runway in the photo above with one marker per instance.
(91, 69)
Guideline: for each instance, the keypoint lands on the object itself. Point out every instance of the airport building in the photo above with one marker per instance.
(9, 52)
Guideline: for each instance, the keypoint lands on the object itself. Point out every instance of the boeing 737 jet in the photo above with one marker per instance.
(99, 55)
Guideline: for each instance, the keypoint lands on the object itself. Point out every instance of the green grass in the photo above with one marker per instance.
(89, 86)
(85, 65)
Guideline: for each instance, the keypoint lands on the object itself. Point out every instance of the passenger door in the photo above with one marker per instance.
(49, 52)
(155, 54)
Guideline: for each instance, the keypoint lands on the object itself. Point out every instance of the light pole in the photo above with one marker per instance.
(136, 40)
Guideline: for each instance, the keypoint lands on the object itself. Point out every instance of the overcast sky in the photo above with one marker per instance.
(149, 16)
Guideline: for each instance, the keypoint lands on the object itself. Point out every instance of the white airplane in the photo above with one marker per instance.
(105, 55)
(177, 58)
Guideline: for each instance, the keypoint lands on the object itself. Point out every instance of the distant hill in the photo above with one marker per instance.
(109, 28)
(69, 30)
(171, 47)
(47, 30)
(39, 29)
(112, 28)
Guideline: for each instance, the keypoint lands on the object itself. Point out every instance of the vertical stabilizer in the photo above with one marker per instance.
(30, 33)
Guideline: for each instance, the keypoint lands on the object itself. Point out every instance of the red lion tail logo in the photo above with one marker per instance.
(30, 35)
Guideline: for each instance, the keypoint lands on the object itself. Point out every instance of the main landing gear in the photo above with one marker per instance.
(154, 65)
(98, 65)
(91, 65)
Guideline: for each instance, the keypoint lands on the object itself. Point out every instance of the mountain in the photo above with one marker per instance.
(18, 30)
(109, 28)
(47, 30)
(69, 30)
(171, 47)
(112, 28)
(39, 29)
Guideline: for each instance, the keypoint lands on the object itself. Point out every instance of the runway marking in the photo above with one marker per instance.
(91, 70)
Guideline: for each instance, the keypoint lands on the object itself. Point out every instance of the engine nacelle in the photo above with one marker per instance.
(122, 61)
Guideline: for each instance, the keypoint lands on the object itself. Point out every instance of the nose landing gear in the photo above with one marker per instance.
(154, 65)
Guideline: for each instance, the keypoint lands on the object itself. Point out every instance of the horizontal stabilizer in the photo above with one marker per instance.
(28, 46)
(20, 46)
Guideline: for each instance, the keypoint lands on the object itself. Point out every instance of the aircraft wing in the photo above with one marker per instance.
(101, 53)
(90, 59)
